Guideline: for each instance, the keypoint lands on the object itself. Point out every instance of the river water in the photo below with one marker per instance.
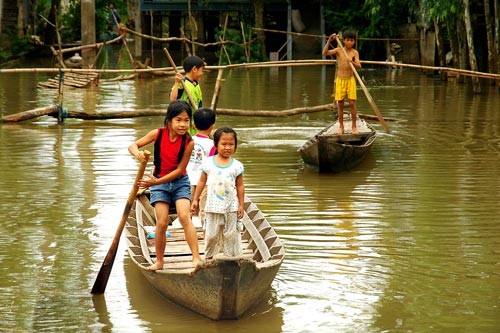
(409, 241)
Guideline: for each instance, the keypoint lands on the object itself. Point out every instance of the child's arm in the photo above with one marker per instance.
(197, 193)
(174, 93)
(326, 51)
(134, 147)
(355, 60)
(240, 192)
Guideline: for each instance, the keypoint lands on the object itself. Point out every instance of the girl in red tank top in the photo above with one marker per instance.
(169, 184)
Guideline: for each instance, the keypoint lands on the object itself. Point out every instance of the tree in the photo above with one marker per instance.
(470, 43)
(258, 6)
(489, 37)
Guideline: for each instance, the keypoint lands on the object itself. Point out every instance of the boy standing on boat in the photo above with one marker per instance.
(193, 68)
(223, 176)
(345, 83)
(204, 122)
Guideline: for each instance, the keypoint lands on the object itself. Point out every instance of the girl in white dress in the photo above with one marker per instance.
(223, 176)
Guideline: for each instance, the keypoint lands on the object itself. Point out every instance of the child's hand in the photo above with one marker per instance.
(140, 156)
(147, 181)
(194, 208)
(241, 212)
(178, 78)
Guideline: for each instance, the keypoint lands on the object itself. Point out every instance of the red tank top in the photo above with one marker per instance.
(167, 153)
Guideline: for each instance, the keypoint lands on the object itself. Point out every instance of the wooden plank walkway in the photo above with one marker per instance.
(75, 80)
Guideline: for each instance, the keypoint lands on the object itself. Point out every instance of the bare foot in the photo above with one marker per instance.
(155, 267)
(354, 130)
(195, 262)
(340, 131)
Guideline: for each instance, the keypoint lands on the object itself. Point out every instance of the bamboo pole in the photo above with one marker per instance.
(26, 115)
(225, 52)
(59, 44)
(185, 42)
(223, 47)
(247, 54)
(466, 72)
(52, 111)
(90, 46)
(324, 36)
(215, 97)
(368, 96)
(284, 63)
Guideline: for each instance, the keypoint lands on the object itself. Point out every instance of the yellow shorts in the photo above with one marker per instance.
(345, 86)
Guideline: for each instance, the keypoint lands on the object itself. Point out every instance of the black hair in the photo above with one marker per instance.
(203, 118)
(349, 34)
(176, 108)
(192, 61)
(225, 130)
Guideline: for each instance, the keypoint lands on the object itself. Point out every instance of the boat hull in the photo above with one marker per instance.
(330, 152)
(226, 290)
(219, 288)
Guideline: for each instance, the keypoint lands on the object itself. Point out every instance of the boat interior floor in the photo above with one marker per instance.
(177, 253)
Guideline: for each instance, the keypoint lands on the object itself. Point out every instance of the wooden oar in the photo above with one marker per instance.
(172, 63)
(368, 96)
(102, 278)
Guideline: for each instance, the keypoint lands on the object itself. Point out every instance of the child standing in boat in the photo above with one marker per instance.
(204, 122)
(169, 183)
(193, 68)
(345, 84)
(223, 176)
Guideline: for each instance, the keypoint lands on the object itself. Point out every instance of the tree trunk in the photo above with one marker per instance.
(496, 7)
(489, 38)
(258, 6)
(462, 47)
(452, 33)
(49, 34)
(476, 87)
(131, 13)
(20, 19)
(88, 28)
(440, 48)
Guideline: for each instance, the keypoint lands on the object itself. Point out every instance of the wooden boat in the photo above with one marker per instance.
(220, 288)
(336, 153)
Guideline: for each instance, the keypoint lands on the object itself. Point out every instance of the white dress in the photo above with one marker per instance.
(221, 209)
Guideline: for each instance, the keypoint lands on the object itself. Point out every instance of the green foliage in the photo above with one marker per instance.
(4, 54)
(71, 20)
(14, 47)
(441, 10)
(235, 49)
(370, 18)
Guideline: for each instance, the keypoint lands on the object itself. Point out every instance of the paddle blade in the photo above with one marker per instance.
(103, 276)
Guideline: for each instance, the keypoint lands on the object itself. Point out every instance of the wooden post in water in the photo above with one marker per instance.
(215, 97)
(88, 29)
